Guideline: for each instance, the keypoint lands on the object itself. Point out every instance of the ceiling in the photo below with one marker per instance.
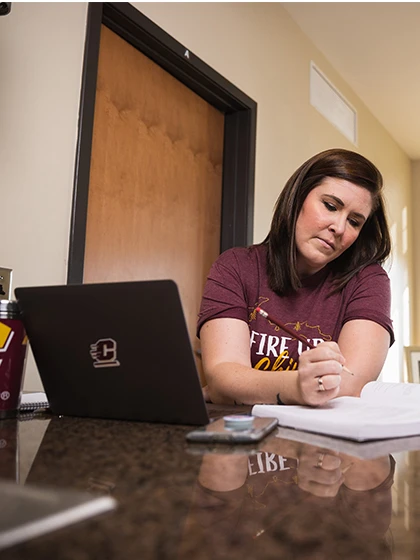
(375, 47)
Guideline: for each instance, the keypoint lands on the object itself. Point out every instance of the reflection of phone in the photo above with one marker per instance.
(211, 448)
(217, 432)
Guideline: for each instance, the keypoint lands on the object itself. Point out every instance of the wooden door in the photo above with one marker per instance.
(154, 208)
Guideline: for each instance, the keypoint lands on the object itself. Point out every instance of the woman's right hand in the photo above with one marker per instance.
(319, 373)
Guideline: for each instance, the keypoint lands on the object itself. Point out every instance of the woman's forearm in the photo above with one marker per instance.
(231, 383)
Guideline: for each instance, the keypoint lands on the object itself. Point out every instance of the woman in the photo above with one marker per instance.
(318, 271)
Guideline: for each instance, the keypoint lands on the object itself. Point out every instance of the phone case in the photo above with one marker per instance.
(217, 432)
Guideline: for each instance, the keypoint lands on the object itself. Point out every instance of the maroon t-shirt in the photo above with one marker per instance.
(237, 284)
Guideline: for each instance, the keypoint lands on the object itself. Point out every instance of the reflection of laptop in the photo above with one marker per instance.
(118, 350)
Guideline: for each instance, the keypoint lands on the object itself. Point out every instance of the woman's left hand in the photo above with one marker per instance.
(319, 374)
(206, 393)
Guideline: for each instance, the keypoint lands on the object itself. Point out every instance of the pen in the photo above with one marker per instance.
(291, 332)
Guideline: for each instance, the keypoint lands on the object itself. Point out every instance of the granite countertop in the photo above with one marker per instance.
(180, 500)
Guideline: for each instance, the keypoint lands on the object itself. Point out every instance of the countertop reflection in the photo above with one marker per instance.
(279, 499)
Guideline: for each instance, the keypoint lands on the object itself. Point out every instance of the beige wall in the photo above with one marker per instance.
(41, 55)
(415, 234)
(254, 45)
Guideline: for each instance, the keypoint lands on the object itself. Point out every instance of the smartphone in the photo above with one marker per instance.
(221, 430)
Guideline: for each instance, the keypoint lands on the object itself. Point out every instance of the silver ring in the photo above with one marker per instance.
(320, 384)
(320, 460)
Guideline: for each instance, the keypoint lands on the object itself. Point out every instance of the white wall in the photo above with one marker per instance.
(257, 46)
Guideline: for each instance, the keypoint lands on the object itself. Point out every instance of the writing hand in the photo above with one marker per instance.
(320, 373)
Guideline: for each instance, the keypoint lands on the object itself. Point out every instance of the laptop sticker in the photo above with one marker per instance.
(104, 353)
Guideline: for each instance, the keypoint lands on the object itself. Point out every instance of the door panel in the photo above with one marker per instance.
(154, 208)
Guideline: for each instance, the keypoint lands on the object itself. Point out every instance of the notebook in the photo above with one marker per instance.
(33, 401)
(116, 350)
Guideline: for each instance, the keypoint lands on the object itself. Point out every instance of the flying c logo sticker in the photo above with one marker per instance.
(104, 353)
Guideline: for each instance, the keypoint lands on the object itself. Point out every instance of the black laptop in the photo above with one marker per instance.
(116, 350)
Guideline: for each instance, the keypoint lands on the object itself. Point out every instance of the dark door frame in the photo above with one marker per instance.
(239, 135)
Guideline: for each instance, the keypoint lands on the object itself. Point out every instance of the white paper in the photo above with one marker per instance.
(381, 392)
(385, 410)
(30, 398)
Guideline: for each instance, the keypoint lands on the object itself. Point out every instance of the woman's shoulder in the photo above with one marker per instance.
(372, 276)
(244, 256)
(372, 270)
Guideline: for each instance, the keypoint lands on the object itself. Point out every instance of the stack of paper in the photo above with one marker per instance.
(384, 410)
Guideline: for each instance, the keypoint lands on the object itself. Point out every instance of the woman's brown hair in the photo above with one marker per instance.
(373, 244)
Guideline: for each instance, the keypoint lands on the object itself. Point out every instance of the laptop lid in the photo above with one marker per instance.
(115, 350)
